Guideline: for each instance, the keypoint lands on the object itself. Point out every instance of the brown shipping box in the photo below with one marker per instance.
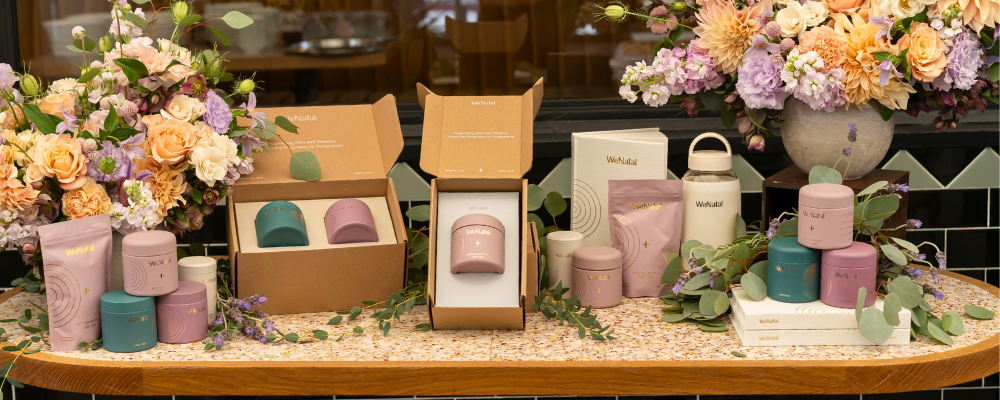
(356, 146)
(480, 144)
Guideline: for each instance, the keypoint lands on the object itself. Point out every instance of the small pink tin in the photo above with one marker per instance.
(350, 221)
(182, 316)
(149, 262)
(597, 276)
(477, 245)
(844, 271)
(826, 216)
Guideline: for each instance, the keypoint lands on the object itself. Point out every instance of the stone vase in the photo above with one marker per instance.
(814, 137)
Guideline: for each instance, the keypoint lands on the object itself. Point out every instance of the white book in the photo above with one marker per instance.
(812, 337)
(770, 314)
(599, 157)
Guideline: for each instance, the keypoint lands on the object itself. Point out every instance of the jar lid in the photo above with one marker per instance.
(857, 255)
(710, 160)
(597, 258)
(197, 265)
(478, 219)
(564, 236)
(121, 303)
(149, 243)
(788, 249)
(187, 292)
(826, 195)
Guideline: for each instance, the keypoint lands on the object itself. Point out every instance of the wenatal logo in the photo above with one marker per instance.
(483, 103)
(138, 319)
(622, 160)
(477, 231)
(713, 204)
(647, 206)
(768, 321)
(845, 275)
(298, 118)
(80, 250)
(768, 338)
(164, 261)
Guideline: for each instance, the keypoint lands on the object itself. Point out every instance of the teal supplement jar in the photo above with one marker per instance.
(128, 323)
(792, 271)
(280, 223)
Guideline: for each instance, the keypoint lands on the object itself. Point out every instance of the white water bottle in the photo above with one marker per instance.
(711, 195)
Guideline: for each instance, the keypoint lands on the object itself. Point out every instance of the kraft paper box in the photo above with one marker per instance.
(480, 144)
(356, 146)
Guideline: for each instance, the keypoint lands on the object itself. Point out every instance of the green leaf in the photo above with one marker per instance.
(873, 325)
(754, 286)
(237, 20)
(358, 329)
(918, 317)
(728, 117)
(698, 281)
(882, 55)
(939, 334)
(539, 224)
(890, 308)
(710, 328)
(87, 44)
(873, 188)
(824, 174)
(994, 71)
(673, 318)
(285, 124)
(421, 213)
(894, 254)
(978, 312)
(952, 323)
(305, 166)
(222, 36)
(712, 99)
(132, 68)
(906, 244)
(291, 337)
(713, 302)
(788, 228)
(321, 334)
(738, 354)
(44, 122)
(860, 304)
(189, 20)
(760, 269)
(672, 271)
(555, 204)
(335, 320)
(886, 112)
(136, 20)
(686, 249)
(741, 226)
(111, 122)
(424, 327)
(908, 292)
(880, 208)
(14, 383)
(89, 75)
(536, 197)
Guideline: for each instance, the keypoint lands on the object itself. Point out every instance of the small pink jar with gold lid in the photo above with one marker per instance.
(597, 276)
(477, 245)
(826, 216)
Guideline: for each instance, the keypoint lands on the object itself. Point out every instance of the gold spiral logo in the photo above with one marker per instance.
(809, 308)
(63, 295)
(457, 246)
(580, 286)
(625, 238)
(175, 326)
(586, 208)
(137, 279)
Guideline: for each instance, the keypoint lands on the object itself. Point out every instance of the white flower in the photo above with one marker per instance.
(814, 13)
(791, 19)
(126, 28)
(78, 32)
(903, 8)
(223, 143)
(625, 91)
(210, 164)
(66, 84)
(184, 108)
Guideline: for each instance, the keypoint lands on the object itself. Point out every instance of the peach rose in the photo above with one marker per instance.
(61, 156)
(845, 6)
(926, 55)
(53, 104)
(170, 140)
(12, 118)
(86, 201)
(14, 195)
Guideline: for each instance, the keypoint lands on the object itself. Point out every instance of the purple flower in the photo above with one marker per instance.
(262, 340)
(934, 274)
(913, 223)
(677, 288)
(256, 117)
(217, 113)
(69, 122)
(761, 48)
(941, 260)
(897, 188)
(852, 135)
(111, 164)
(888, 70)
(760, 84)
(847, 151)
(218, 340)
(7, 77)
(261, 300)
(248, 143)
(693, 263)
(884, 23)
(711, 277)
(133, 146)
(772, 228)
(698, 271)
(195, 86)
(211, 196)
(931, 290)
(964, 61)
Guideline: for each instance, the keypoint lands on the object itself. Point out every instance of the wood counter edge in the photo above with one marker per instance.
(536, 378)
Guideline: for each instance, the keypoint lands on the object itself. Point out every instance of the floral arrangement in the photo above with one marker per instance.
(751, 56)
(146, 133)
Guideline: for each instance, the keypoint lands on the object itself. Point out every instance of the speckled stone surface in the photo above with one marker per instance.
(641, 337)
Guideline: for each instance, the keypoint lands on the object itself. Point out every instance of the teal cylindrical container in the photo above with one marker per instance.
(128, 323)
(280, 223)
(792, 271)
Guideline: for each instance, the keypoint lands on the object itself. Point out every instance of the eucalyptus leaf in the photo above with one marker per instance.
(710, 328)
(952, 323)
(237, 20)
(221, 36)
(305, 166)
(873, 325)
(859, 305)
(686, 248)
(760, 269)
(536, 197)
(881, 207)
(741, 226)
(978, 312)
(539, 224)
(672, 271)
(894, 254)
(555, 204)
(918, 317)
(188, 20)
(788, 228)
(673, 318)
(891, 308)
(136, 20)
(906, 245)
(909, 293)
(698, 281)
(754, 286)
(321, 334)
(873, 188)
(713, 302)
(738, 354)
(824, 174)
(939, 334)
(421, 213)
(291, 337)
(285, 124)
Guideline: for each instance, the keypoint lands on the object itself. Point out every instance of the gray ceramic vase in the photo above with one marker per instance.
(814, 137)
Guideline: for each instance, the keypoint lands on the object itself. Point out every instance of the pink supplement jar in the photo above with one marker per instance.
(477, 244)
(149, 262)
(844, 271)
(182, 316)
(826, 216)
(597, 276)
(350, 221)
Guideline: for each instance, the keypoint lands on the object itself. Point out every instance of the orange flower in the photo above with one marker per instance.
(14, 195)
(87, 201)
(53, 104)
(975, 13)
(830, 45)
(170, 140)
(845, 6)
(926, 55)
(862, 83)
(61, 157)
(167, 186)
(726, 32)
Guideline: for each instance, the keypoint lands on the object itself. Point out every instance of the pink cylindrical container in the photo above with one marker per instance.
(597, 276)
(844, 271)
(182, 316)
(149, 260)
(826, 216)
(350, 221)
(477, 244)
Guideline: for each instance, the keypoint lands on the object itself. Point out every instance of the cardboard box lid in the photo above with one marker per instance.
(478, 136)
(351, 142)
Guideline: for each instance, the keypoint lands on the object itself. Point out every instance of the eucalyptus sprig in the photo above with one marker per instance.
(554, 304)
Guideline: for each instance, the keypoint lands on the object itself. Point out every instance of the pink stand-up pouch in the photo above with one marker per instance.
(76, 254)
(645, 221)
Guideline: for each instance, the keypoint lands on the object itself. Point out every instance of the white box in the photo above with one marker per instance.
(610, 155)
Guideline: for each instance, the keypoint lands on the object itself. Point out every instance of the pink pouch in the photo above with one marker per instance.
(645, 221)
(76, 254)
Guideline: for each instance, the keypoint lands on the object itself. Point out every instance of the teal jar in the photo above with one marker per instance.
(128, 323)
(280, 223)
(792, 271)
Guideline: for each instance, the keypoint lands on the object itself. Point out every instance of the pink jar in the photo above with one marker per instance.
(597, 276)
(844, 271)
(182, 316)
(826, 216)
(149, 263)
(350, 221)
(477, 245)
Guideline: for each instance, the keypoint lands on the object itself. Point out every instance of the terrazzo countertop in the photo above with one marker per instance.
(641, 337)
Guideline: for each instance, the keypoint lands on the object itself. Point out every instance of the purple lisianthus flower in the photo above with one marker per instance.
(256, 117)
(69, 123)
(888, 70)
(761, 47)
(964, 60)
(884, 23)
(132, 147)
(217, 113)
(111, 164)
(249, 142)
(7, 78)
(760, 84)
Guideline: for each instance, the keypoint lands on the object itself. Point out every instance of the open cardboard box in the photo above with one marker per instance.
(356, 146)
(480, 144)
